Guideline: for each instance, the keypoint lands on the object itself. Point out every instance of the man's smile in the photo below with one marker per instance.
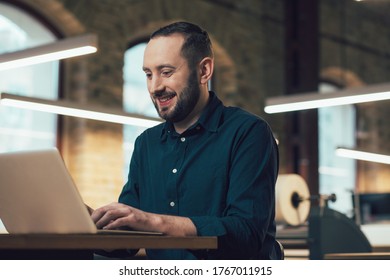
(165, 100)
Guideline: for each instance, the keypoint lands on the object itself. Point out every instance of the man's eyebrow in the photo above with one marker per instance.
(159, 67)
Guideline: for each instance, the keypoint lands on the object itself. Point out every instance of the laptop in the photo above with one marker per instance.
(38, 195)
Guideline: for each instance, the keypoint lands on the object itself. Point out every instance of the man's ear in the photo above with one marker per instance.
(206, 67)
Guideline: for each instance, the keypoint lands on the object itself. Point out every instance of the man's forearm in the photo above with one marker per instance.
(172, 225)
(117, 215)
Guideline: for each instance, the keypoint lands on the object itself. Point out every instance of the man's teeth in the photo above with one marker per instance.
(166, 98)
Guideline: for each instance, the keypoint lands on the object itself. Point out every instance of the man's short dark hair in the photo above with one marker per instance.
(197, 44)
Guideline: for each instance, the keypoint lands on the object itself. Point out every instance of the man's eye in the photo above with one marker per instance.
(166, 73)
(148, 75)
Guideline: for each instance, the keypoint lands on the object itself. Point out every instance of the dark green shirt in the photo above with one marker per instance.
(221, 173)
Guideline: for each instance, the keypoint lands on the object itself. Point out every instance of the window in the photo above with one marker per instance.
(135, 99)
(336, 128)
(22, 129)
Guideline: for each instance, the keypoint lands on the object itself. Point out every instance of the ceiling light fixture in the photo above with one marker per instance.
(360, 155)
(61, 49)
(316, 100)
(68, 108)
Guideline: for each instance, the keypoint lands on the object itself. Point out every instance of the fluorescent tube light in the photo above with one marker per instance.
(61, 49)
(317, 100)
(67, 108)
(360, 155)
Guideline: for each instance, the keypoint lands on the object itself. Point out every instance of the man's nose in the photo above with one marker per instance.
(155, 85)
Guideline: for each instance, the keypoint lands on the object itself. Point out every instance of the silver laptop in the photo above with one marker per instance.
(37, 195)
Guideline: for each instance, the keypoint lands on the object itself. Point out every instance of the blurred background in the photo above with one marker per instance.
(263, 49)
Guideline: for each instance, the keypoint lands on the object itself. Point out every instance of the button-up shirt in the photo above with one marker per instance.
(220, 172)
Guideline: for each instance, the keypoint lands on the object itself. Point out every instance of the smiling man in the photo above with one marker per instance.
(176, 91)
(209, 170)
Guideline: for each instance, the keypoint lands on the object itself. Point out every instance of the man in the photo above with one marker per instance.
(209, 170)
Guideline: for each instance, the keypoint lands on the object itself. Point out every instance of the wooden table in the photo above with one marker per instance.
(358, 256)
(15, 246)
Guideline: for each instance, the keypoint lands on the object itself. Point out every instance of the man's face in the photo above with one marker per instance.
(173, 87)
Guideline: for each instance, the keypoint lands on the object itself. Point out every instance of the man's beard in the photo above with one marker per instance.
(186, 101)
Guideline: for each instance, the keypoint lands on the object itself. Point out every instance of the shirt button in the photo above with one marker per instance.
(172, 204)
(182, 139)
(174, 170)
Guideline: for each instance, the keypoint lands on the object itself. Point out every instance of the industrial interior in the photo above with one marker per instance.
(317, 71)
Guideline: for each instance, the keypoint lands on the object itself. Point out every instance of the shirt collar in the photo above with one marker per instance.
(209, 119)
(212, 113)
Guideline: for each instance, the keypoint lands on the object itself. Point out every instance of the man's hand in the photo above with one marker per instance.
(117, 215)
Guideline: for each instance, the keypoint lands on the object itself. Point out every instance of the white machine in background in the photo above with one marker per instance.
(320, 229)
(292, 200)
